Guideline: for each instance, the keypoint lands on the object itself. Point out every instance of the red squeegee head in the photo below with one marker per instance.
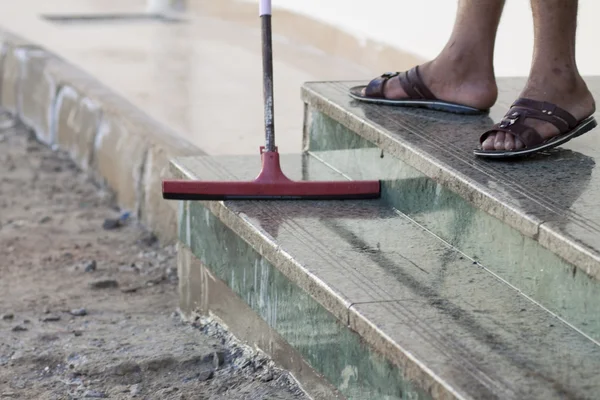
(271, 183)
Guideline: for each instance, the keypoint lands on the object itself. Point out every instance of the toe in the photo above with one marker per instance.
(488, 143)
(393, 89)
(499, 142)
(509, 142)
(519, 144)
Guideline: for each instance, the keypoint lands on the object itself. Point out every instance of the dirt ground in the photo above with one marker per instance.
(88, 299)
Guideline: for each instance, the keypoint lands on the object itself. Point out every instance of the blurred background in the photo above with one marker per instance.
(202, 75)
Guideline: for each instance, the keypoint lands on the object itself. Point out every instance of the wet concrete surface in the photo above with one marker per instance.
(550, 197)
(202, 77)
(448, 320)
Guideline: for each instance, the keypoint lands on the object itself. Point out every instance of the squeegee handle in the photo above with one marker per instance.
(267, 59)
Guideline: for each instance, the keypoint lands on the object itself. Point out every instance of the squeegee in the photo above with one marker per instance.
(271, 182)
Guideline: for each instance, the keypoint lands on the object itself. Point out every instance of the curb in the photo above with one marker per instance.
(119, 145)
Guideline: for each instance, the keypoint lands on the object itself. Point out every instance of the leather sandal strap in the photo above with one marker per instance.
(525, 113)
(375, 88)
(548, 109)
(408, 87)
(413, 85)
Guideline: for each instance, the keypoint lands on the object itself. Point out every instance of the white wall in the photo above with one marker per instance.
(422, 27)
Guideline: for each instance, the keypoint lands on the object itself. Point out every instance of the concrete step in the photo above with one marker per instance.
(533, 223)
(372, 300)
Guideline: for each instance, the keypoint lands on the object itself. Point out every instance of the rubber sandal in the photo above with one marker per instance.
(418, 94)
(514, 123)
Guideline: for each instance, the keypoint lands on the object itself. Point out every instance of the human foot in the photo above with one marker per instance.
(570, 95)
(447, 78)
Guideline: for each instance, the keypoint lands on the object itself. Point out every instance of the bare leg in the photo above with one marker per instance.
(554, 76)
(463, 72)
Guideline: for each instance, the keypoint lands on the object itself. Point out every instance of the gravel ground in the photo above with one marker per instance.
(88, 299)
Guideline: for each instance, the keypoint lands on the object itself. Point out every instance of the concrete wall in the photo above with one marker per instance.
(116, 143)
(422, 27)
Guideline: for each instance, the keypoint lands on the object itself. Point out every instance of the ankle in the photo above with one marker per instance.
(562, 74)
(567, 84)
(467, 63)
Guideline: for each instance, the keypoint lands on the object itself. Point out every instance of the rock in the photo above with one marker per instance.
(6, 121)
(130, 289)
(268, 377)
(51, 318)
(134, 390)
(45, 219)
(90, 266)
(129, 268)
(19, 328)
(111, 224)
(47, 337)
(161, 363)
(94, 394)
(78, 312)
(104, 284)
(148, 240)
(168, 390)
(156, 280)
(127, 368)
(171, 274)
(8, 317)
(115, 223)
(219, 358)
(206, 375)
(216, 359)
(18, 223)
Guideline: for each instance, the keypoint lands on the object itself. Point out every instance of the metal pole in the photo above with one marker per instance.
(267, 56)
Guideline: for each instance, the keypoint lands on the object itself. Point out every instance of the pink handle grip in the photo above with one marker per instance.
(264, 7)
